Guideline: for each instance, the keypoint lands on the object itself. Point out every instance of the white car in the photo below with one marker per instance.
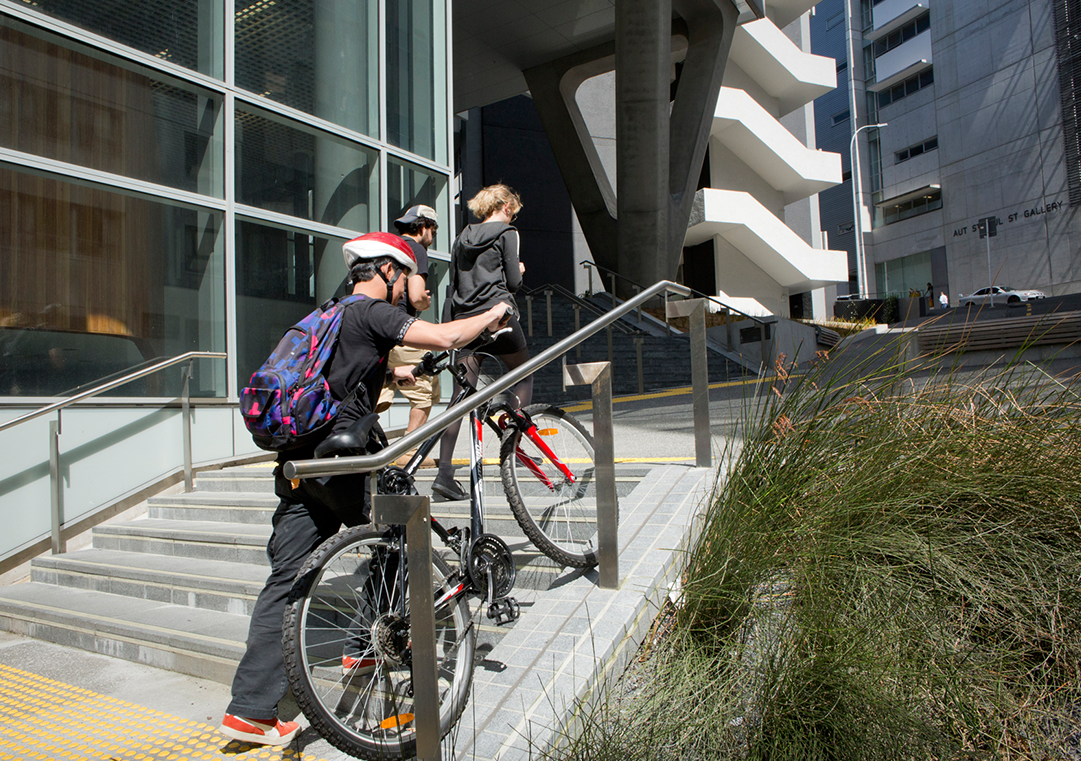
(999, 294)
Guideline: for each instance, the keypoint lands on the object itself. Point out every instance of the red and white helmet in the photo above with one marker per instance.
(375, 245)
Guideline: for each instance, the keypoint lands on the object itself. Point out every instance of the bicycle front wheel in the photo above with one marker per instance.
(549, 479)
(347, 645)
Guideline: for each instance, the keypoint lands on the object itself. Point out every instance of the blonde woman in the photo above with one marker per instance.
(485, 270)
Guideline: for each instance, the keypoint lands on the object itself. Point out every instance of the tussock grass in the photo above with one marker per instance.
(891, 571)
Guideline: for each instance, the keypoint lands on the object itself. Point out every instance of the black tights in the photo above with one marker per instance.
(523, 390)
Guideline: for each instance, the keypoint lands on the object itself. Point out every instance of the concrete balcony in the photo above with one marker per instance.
(902, 62)
(770, 150)
(781, 69)
(776, 261)
(784, 12)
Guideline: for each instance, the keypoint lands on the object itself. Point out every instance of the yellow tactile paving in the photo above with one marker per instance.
(45, 720)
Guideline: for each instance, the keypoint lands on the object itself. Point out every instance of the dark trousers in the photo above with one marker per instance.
(302, 521)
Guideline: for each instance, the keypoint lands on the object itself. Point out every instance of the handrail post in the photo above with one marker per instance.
(613, 276)
(599, 376)
(185, 406)
(589, 270)
(548, 299)
(413, 512)
(667, 324)
(609, 331)
(638, 351)
(700, 384)
(637, 290)
(728, 328)
(56, 517)
(578, 326)
(529, 312)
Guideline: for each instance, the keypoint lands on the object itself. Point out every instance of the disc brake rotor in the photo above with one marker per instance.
(489, 557)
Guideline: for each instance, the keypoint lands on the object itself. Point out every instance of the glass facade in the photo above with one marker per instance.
(159, 197)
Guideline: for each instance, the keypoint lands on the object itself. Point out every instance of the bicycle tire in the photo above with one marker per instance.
(348, 587)
(559, 516)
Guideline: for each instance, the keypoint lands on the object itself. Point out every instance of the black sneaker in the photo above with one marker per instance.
(451, 492)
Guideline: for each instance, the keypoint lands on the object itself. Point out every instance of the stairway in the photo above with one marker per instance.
(175, 588)
(666, 360)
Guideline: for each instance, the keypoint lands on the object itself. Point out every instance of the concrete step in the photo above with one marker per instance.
(202, 540)
(223, 506)
(198, 583)
(203, 643)
(250, 478)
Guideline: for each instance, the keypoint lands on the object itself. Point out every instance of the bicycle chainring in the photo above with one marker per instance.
(394, 480)
(489, 556)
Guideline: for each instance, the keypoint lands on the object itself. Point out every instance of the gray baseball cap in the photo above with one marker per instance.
(416, 213)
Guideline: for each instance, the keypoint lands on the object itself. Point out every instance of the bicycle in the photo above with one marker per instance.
(346, 630)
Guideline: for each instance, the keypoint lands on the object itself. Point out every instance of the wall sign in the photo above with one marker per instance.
(1029, 213)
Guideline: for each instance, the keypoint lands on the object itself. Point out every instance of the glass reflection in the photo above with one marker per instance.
(318, 56)
(282, 275)
(189, 33)
(96, 283)
(416, 48)
(292, 169)
(64, 104)
(407, 185)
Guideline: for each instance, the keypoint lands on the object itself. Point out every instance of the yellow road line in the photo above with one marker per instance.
(682, 391)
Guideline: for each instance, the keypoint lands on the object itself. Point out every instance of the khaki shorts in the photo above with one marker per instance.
(422, 394)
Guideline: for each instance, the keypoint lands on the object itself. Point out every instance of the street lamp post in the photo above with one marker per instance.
(857, 207)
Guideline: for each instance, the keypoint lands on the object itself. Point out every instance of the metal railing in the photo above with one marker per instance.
(55, 427)
(372, 462)
(413, 511)
(692, 293)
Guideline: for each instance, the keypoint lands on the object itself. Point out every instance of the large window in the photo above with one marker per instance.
(63, 103)
(289, 168)
(189, 33)
(903, 89)
(97, 282)
(898, 37)
(416, 84)
(407, 185)
(318, 56)
(897, 212)
(282, 275)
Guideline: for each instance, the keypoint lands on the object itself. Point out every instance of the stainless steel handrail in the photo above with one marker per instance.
(111, 385)
(371, 462)
(692, 293)
(56, 519)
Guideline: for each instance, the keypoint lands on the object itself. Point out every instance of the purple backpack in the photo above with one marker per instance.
(288, 403)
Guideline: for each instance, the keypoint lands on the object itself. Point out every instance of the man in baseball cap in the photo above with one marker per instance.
(316, 508)
(417, 226)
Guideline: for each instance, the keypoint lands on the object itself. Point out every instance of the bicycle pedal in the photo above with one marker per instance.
(505, 610)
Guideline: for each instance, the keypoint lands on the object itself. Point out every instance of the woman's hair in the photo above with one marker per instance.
(492, 198)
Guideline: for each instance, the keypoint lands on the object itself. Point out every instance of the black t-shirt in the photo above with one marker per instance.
(370, 329)
(422, 269)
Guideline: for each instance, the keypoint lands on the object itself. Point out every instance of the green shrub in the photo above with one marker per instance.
(891, 571)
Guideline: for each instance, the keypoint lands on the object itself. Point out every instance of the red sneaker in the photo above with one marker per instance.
(351, 665)
(259, 731)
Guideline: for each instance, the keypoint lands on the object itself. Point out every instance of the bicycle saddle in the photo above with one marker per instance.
(352, 441)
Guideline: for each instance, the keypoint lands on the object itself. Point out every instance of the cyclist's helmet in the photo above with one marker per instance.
(375, 245)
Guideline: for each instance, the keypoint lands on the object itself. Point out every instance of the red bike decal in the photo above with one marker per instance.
(533, 468)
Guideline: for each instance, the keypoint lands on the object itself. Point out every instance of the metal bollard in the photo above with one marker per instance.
(529, 312)
(599, 376)
(413, 512)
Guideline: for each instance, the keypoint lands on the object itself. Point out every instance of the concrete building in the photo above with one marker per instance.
(979, 102)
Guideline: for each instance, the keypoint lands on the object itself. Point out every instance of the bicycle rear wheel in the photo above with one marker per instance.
(556, 508)
(347, 602)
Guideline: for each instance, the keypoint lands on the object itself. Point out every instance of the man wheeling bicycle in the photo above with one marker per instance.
(379, 267)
